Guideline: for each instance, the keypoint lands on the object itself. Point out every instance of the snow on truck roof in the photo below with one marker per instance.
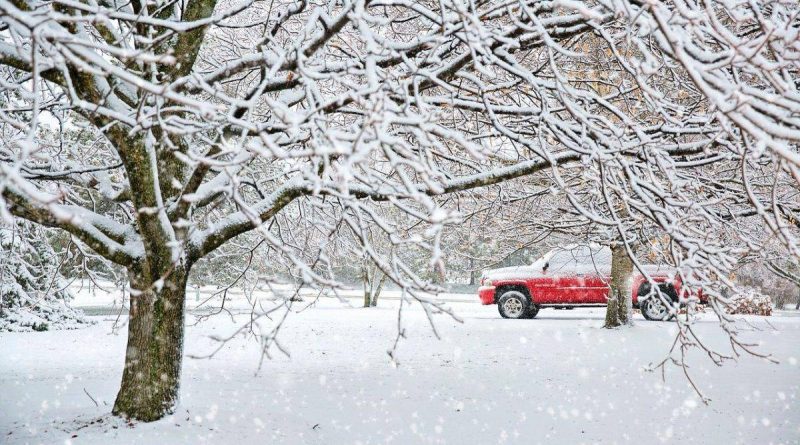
(568, 259)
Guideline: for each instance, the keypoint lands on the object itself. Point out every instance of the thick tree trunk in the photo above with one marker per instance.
(619, 297)
(151, 376)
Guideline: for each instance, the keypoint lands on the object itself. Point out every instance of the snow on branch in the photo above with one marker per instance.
(190, 125)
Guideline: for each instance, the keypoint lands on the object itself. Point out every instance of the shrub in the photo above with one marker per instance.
(750, 303)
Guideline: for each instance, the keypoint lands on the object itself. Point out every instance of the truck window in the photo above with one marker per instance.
(580, 259)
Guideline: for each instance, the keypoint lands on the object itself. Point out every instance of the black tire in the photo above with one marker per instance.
(514, 304)
(654, 307)
(533, 310)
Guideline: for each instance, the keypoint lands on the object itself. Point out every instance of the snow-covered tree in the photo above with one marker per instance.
(207, 119)
(33, 294)
(789, 272)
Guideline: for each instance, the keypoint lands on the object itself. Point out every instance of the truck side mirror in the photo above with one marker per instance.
(544, 268)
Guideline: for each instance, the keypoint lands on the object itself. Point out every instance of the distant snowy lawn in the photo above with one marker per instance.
(556, 379)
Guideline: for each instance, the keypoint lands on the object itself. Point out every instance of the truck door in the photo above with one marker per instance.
(569, 286)
(582, 276)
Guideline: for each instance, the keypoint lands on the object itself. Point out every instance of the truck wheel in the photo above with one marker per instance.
(513, 304)
(533, 310)
(654, 308)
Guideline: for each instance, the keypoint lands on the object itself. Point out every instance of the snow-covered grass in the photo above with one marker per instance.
(107, 297)
(559, 378)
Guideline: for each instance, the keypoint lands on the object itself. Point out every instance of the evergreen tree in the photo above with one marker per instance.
(33, 294)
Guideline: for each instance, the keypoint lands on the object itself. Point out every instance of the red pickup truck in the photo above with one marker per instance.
(575, 276)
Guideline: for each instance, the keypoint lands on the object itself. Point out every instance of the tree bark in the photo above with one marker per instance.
(151, 377)
(377, 292)
(367, 284)
(619, 297)
(473, 275)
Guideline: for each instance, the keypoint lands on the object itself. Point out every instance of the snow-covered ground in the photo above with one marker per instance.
(106, 297)
(559, 378)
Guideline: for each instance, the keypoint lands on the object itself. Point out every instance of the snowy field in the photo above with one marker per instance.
(559, 378)
(106, 298)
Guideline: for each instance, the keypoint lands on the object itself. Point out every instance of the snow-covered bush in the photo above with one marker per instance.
(33, 294)
(750, 302)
